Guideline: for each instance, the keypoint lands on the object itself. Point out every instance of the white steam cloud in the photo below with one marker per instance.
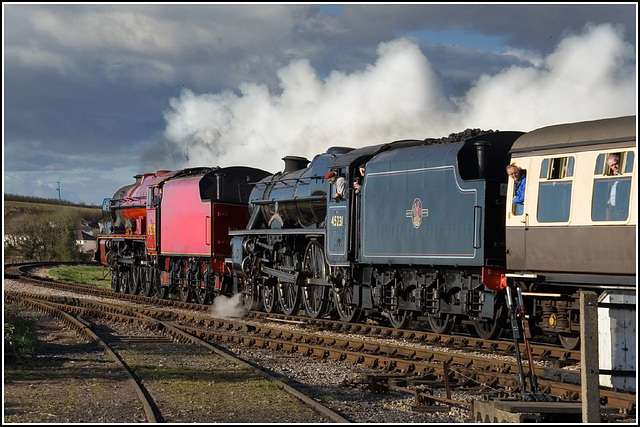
(228, 307)
(588, 76)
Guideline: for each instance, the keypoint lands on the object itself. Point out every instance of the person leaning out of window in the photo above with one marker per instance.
(614, 210)
(339, 183)
(518, 176)
(357, 182)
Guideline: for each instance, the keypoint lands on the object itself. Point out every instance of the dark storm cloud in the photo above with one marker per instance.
(86, 118)
(538, 27)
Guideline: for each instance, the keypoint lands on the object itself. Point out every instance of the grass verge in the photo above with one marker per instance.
(82, 274)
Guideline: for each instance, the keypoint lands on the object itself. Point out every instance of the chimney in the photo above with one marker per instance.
(294, 163)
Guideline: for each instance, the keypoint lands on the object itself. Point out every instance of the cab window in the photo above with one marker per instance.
(612, 186)
(554, 191)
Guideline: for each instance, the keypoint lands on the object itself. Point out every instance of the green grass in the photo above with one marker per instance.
(19, 334)
(82, 274)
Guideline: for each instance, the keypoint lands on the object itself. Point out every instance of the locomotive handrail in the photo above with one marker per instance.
(289, 231)
(127, 199)
(295, 199)
(287, 179)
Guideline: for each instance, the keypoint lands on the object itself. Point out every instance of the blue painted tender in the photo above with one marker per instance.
(418, 210)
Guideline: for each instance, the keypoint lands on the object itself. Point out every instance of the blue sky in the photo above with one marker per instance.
(96, 93)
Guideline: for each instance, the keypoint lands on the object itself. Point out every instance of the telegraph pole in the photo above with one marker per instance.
(59, 198)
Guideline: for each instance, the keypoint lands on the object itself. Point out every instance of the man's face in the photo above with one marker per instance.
(613, 165)
(514, 173)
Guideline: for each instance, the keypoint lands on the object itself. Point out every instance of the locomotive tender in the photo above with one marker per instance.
(431, 235)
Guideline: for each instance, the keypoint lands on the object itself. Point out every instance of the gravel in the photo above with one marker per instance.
(334, 383)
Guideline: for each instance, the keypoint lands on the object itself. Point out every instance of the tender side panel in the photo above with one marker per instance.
(421, 213)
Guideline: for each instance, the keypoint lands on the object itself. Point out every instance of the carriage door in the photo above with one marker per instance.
(517, 218)
(337, 243)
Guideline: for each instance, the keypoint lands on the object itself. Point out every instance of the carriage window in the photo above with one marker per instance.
(517, 205)
(600, 165)
(544, 170)
(611, 191)
(560, 167)
(554, 193)
(628, 164)
(570, 163)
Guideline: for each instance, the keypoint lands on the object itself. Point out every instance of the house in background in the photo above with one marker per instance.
(85, 241)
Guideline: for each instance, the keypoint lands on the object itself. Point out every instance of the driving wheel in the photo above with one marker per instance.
(315, 296)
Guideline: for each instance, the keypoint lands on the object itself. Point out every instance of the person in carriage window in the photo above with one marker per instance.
(520, 179)
(615, 211)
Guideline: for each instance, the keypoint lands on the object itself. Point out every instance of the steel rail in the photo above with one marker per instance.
(121, 314)
(82, 329)
(559, 355)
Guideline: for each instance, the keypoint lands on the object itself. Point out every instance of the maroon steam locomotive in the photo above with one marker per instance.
(170, 231)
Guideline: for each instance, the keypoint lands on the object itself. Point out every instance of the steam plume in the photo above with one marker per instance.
(588, 76)
(228, 307)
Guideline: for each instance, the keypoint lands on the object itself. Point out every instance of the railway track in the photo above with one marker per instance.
(403, 365)
(81, 327)
(558, 355)
(73, 312)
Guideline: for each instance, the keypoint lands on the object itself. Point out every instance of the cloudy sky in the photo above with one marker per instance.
(96, 93)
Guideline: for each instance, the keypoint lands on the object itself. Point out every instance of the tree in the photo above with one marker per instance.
(50, 237)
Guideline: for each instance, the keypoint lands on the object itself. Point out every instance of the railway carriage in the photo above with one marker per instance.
(577, 228)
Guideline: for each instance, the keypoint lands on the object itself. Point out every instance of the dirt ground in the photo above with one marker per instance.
(71, 381)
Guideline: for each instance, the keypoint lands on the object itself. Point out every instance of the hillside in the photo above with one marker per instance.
(43, 231)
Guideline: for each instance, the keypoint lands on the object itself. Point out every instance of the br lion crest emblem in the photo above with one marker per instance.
(417, 212)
